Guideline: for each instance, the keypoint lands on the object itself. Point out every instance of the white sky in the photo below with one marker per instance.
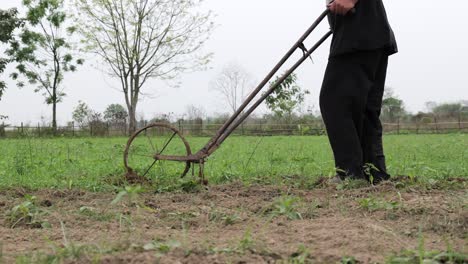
(431, 66)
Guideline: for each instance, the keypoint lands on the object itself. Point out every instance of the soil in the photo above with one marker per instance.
(236, 224)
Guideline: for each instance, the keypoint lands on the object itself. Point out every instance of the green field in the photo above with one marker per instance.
(65, 200)
(96, 163)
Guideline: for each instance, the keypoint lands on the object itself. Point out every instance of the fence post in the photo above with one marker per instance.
(73, 129)
(459, 121)
(22, 128)
(398, 126)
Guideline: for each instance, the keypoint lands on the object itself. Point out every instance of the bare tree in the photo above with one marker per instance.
(233, 84)
(195, 112)
(143, 39)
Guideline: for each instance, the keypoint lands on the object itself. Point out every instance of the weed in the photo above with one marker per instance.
(191, 186)
(349, 260)
(350, 184)
(435, 257)
(221, 217)
(131, 192)
(424, 256)
(246, 242)
(98, 216)
(372, 204)
(162, 246)
(310, 210)
(27, 213)
(286, 206)
(301, 256)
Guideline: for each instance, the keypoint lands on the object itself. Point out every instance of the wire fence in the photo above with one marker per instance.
(202, 129)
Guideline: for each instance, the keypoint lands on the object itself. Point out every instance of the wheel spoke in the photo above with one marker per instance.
(167, 143)
(151, 143)
(140, 153)
(149, 168)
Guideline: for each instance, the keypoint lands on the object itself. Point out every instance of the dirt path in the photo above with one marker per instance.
(237, 224)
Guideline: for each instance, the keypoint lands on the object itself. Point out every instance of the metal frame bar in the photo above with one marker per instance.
(239, 116)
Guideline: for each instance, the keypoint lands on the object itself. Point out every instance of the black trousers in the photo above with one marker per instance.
(351, 102)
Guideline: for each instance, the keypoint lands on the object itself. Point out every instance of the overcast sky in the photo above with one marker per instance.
(431, 65)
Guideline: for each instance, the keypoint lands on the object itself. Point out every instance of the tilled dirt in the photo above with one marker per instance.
(235, 224)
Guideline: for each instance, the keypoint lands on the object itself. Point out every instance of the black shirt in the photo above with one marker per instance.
(366, 29)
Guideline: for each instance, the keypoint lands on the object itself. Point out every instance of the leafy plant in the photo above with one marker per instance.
(27, 213)
(246, 242)
(348, 260)
(371, 204)
(226, 219)
(286, 206)
(91, 213)
(131, 192)
(432, 257)
(301, 256)
(162, 246)
(350, 184)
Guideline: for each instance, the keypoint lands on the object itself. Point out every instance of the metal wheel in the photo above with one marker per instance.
(152, 140)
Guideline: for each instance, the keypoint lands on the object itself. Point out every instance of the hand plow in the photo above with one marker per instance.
(154, 145)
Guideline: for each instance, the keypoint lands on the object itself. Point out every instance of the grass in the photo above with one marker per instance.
(95, 163)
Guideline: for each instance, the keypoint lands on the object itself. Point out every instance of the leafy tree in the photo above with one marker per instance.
(287, 97)
(81, 114)
(145, 39)
(392, 107)
(116, 114)
(448, 110)
(44, 51)
(9, 21)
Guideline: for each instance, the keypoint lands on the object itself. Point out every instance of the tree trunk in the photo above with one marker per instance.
(132, 125)
(54, 112)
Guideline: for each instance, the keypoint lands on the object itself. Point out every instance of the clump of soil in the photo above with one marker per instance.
(132, 177)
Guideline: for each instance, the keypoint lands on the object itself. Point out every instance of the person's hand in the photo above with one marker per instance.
(342, 7)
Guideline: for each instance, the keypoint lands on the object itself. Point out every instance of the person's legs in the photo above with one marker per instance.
(371, 140)
(343, 98)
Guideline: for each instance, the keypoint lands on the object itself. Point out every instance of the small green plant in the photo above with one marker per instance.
(27, 213)
(349, 260)
(310, 210)
(190, 186)
(372, 204)
(422, 256)
(301, 256)
(131, 192)
(350, 184)
(162, 246)
(93, 214)
(246, 243)
(433, 257)
(368, 168)
(226, 219)
(286, 206)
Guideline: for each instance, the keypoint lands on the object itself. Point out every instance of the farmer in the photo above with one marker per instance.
(353, 87)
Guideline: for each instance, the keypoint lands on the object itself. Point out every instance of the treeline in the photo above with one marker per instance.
(442, 118)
